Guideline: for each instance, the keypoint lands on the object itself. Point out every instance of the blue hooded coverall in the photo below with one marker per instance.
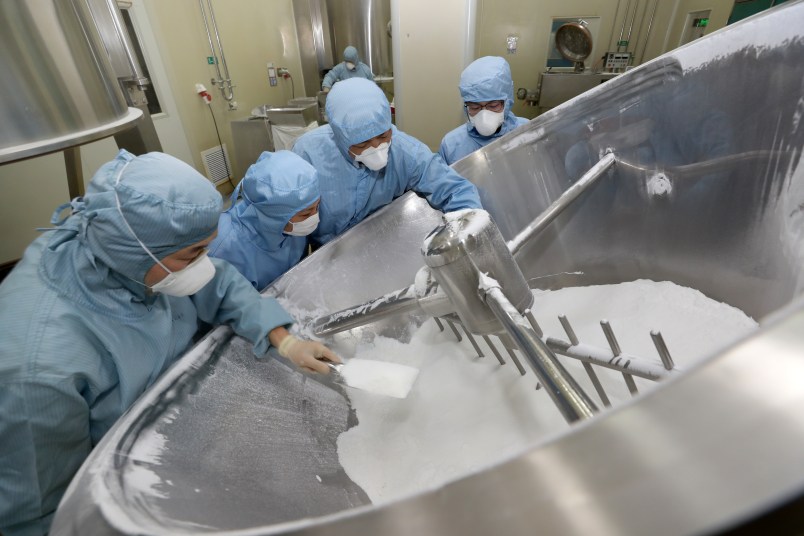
(485, 79)
(359, 111)
(82, 338)
(342, 72)
(250, 234)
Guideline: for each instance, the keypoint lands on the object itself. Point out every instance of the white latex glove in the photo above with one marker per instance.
(307, 355)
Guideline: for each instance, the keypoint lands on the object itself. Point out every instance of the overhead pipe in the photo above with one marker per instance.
(223, 81)
(564, 200)
(622, 28)
(647, 35)
(631, 25)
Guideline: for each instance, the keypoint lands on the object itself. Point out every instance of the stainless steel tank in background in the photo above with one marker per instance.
(707, 191)
(364, 24)
(326, 27)
(58, 85)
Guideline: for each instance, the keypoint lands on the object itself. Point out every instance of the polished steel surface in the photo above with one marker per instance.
(395, 303)
(58, 86)
(142, 137)
(423, 297)
(299, 116)
(707, 192)
(325, 28)
(312, 32)
(564, 200)
(364, 25)
(109, 22)
(558, 87)
(457, 252)
(570, 399)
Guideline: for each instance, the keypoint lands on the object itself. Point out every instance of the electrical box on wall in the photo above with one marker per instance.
(617, 62)
(271, 74)
(695, 26)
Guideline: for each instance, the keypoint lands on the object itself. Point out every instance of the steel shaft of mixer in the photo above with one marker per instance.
(557, 207)
(573, 403)
(423, 296)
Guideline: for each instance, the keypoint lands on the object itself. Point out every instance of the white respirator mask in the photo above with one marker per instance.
(304, 227)
(375, 158)
(486, 122)
(188, 280)
(351, 66)
(184, 282)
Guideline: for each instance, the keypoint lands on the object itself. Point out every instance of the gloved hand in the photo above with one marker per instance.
(307, 355)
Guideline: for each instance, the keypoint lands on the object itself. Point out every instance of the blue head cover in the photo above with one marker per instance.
(487, 79)
(276, 188)
(167, 204)
(358, 111)
(350, 54)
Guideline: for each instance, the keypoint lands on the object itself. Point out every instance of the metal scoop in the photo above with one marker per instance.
(378, 377)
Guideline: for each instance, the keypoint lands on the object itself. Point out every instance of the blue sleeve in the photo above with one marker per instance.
(332, 76)
(442, 152)
(229, 247)
(439, 183)
(230, 299)
(367, 72)
(45, 439)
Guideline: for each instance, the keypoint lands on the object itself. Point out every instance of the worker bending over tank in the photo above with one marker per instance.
(99, 307)
(487, 91)
(350, 67)
(264, 233)
(364, 162)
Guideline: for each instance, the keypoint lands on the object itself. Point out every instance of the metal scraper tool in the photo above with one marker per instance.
(378, 377)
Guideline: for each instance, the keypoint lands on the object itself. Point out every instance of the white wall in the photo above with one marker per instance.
(432, 43)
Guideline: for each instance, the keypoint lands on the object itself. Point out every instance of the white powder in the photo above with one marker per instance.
(387, 379)
(466, 413)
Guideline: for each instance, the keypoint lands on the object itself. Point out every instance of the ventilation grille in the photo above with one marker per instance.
(217, 163)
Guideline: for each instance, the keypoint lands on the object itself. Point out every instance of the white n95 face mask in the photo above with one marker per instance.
(188, 280)
(351, 66)
(375, 158)
(487, 122)
(304, 227)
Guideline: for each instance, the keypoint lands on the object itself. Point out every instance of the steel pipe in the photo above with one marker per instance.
(570, 399)
(557, 207)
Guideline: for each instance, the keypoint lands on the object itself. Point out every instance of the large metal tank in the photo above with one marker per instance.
(59, 88)
(718, 124)
(364, 24)
(326, 27)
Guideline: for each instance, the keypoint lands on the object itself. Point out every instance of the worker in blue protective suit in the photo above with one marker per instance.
(350, 67)
(487, 91)
(265, 233)
(364, 162)
(98, 308)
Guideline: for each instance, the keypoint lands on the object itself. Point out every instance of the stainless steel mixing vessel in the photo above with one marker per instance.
(707, 192)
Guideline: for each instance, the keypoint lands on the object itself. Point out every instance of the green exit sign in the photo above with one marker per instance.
(622, 43)
(211, 60)
(701, 23)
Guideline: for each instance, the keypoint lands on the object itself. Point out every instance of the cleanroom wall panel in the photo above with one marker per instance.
(433, 42)
(30, 194)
